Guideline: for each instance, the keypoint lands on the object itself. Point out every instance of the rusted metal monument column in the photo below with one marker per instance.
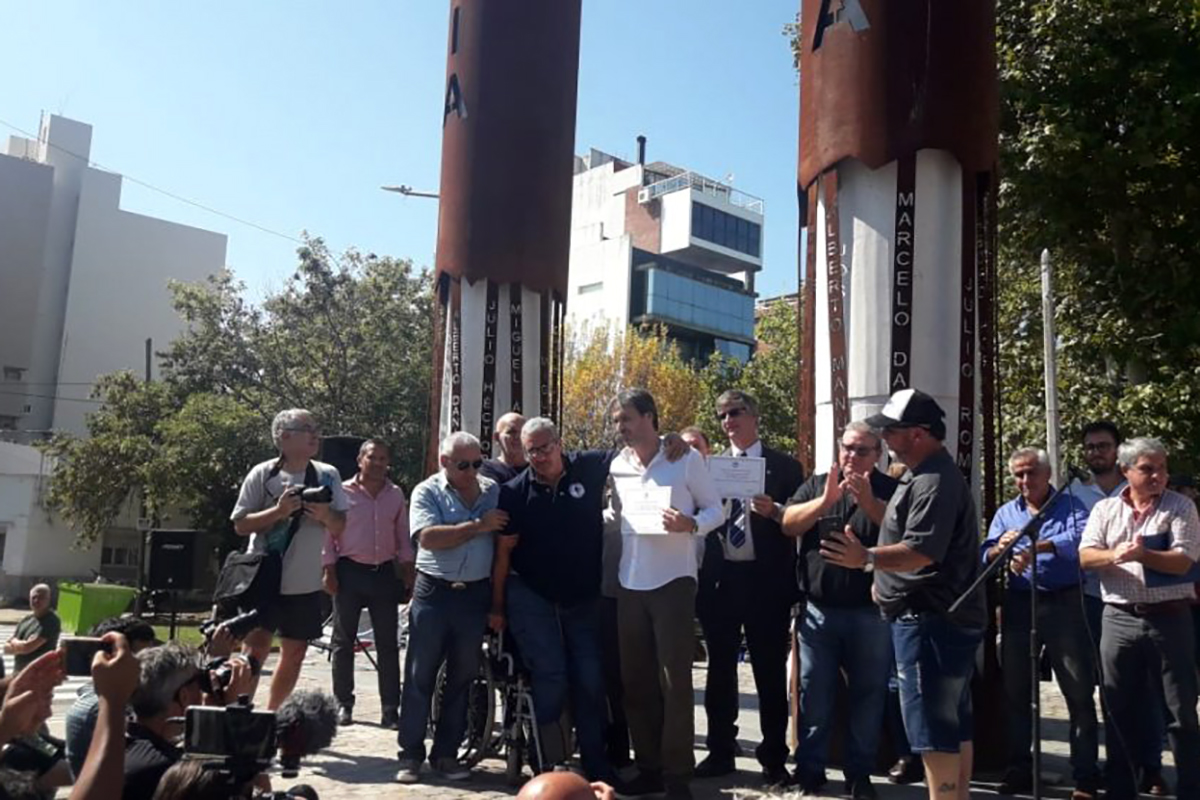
(504, 220)
(898, 146)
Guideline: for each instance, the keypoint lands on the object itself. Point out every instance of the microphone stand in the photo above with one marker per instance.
(1030, 532)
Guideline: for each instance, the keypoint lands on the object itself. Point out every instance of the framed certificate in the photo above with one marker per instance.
(738, 477)
(642, 507)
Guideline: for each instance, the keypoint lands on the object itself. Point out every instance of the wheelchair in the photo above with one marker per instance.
(501, 721)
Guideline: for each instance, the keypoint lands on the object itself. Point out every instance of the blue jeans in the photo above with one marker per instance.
(444, 625)
(859, 641)
(560, 646)
(934, 661)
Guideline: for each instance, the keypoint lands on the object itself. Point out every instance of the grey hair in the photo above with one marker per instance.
(456, 440)
(537, 425)
(41, 588)
(1036, 453)
(738, 396)
(286, 419)
(1129, 452)
(165, 670)
(860, 426)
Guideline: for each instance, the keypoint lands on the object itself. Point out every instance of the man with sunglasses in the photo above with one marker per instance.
(841, 628)
(748, 583)
(927, 556)
(271, 513)
(452, 516)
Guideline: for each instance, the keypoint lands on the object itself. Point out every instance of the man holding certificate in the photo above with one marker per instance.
(748, 582)
(662, 507)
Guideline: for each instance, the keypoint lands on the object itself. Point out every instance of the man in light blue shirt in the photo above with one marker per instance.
(452, 516)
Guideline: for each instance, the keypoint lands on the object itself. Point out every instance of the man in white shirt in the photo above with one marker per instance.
(657, 595)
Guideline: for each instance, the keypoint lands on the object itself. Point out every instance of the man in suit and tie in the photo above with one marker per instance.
(748, 582)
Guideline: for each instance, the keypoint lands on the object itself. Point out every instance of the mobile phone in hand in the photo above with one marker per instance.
(79, 651)
(827, 526)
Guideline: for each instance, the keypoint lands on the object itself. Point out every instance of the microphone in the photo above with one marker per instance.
(1076, 473)
(304, 724)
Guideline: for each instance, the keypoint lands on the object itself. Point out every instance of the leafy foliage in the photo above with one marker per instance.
(350, 341)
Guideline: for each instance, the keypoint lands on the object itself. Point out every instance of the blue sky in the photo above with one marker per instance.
(291, 114)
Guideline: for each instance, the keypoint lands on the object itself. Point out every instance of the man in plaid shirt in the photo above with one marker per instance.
(1144, 544)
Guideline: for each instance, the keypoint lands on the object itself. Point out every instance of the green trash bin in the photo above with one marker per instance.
(82, 605)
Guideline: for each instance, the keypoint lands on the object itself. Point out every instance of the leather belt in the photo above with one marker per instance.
(1151, 609)
(368, 567)
(457, 586)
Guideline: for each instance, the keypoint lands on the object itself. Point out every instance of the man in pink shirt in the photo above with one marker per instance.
(362, 568)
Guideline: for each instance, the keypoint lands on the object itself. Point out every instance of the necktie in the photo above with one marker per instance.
(737, 533)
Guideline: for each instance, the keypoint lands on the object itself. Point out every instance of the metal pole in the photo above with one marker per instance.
(1052, 447)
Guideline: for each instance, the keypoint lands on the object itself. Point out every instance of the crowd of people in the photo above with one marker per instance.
(597, 564)
(874, 569)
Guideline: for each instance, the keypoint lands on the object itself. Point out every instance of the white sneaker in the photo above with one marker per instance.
(409, 772)
(449, 769)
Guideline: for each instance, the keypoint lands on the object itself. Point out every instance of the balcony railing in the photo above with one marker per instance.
(695, 180)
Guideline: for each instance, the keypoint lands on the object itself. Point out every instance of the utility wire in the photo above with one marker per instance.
(54, 397)
(154, 188)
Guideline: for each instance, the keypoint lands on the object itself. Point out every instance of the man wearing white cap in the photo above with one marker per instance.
(926, 557)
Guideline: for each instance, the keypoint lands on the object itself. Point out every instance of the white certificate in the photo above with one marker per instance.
(642, 507)
(738, 477)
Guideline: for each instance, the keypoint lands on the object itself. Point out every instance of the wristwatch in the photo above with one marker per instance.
(870, 565)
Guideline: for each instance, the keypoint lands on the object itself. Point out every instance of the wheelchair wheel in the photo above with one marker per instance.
(478, 742)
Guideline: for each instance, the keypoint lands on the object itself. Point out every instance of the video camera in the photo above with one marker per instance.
(243, 742)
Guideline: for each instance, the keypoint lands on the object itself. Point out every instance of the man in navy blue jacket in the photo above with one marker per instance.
(1061, 623)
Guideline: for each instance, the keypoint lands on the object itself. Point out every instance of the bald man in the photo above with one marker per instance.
(511, 461)
(563, 785)
(37, 633)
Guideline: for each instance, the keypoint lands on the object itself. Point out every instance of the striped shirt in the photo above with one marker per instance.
(1114, 521)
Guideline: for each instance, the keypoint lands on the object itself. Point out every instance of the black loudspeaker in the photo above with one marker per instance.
(172, 560)
(341, 452)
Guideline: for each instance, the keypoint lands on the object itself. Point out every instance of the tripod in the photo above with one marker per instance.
(1030, 532)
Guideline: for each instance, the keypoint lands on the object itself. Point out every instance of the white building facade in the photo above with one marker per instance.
(83, 285)
(656, 244)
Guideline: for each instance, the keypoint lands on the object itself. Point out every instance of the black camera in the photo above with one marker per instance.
(80, 651)
(314, 494)
(217, 673)
(238, 626)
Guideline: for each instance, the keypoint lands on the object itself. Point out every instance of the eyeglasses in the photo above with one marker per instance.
(1098, 447)
(732, 413)
(313, 429)
(541, 450)
(861, 451)
(465, 465)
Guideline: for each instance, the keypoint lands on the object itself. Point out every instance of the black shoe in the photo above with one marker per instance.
(776, 777)
(714, 766)
(1154, 784)
(861, 789)
(640, 785)
(810, 785)
(390, 720)
(346, 715)
(1015, 783)
(906, 770)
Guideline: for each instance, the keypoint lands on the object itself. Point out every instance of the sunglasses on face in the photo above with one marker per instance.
(313, 429)
(732, 413)
(861, 451)
(463, 466)
(542, 450)
(1098, 447)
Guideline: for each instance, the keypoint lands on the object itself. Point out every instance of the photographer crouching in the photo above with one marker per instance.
(285, 506)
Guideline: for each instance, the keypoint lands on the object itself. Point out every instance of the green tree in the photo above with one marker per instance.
(348, 339)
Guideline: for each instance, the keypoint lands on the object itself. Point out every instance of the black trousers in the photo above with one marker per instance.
(616, 730)
(740, 603)
(1132, 649)
(376, 589)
